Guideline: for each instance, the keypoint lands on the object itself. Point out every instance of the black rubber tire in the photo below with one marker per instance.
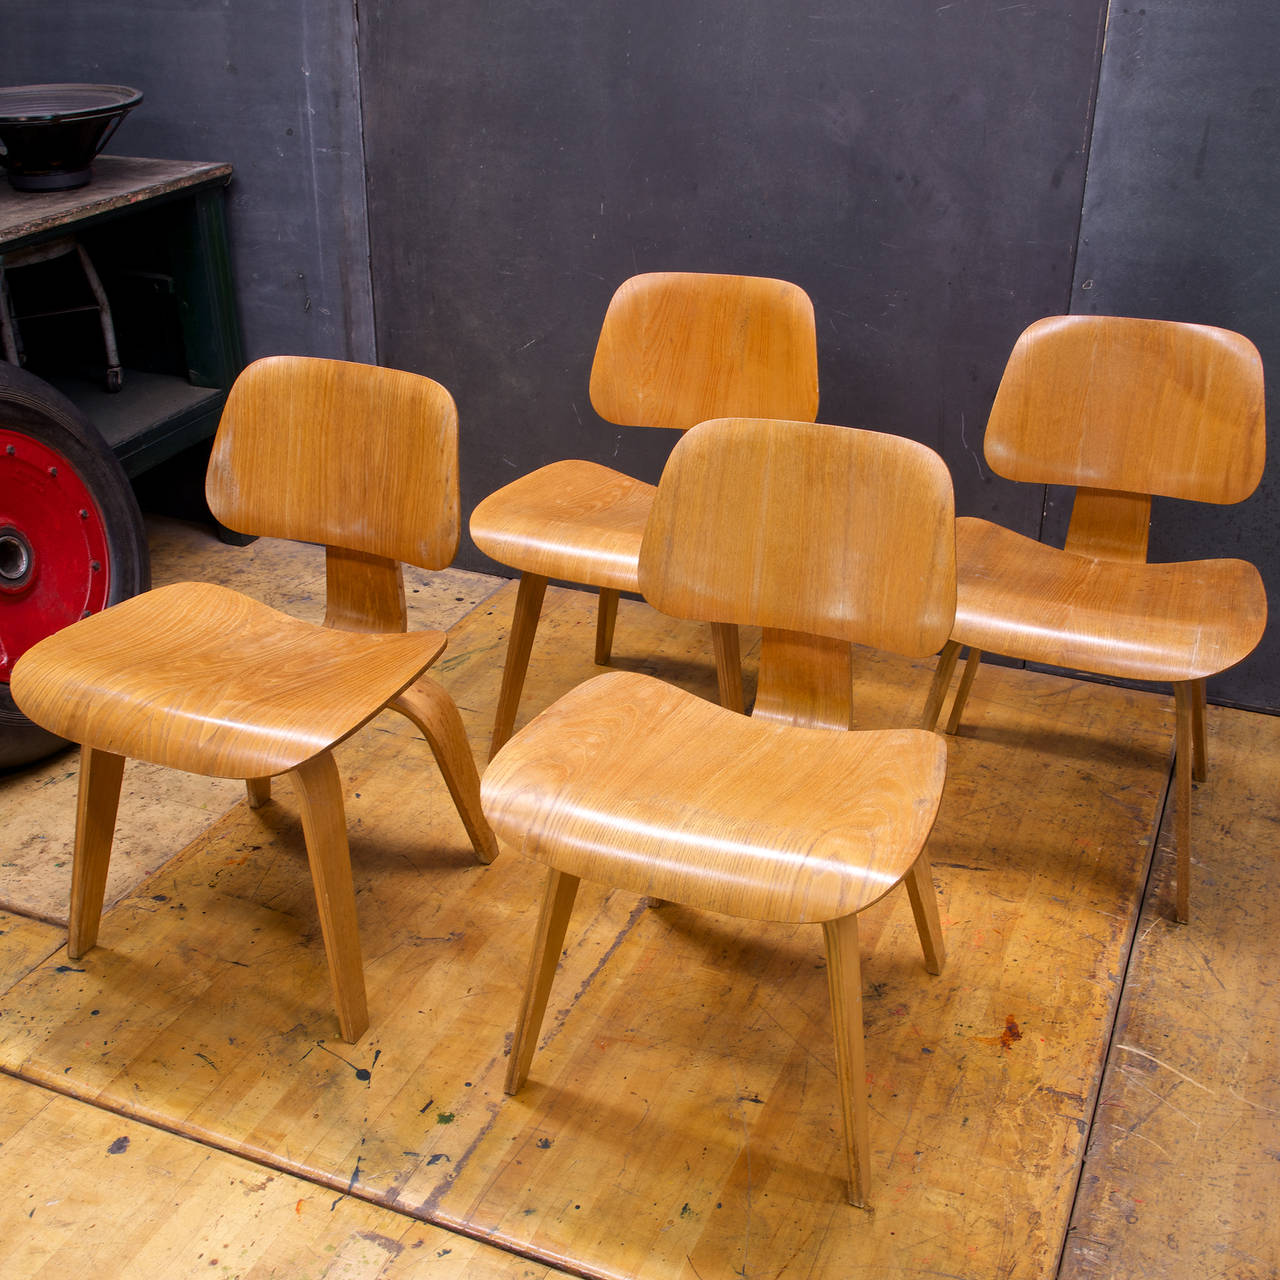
(30, 405)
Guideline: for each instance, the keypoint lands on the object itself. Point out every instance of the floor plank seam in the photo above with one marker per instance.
(1163, 810)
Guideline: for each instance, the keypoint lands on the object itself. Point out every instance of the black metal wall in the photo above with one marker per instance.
(917, 167)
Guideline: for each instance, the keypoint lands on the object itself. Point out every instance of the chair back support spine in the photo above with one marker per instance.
(672, 356)
(1134, 406)
(317, 451)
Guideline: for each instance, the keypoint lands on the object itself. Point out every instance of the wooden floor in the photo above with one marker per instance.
(1087, 1091)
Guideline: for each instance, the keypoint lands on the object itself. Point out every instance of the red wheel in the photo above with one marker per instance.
(71, 536)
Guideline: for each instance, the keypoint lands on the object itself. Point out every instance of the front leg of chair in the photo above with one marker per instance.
(941, 682)
(606, 621)
(728, 651)
(96, 805)
(524, 625)
(924, 906)
(324, 824)
(258, 792)
(553, 921)
(844, 977)
(962, 691)
(1200, 757)
(435, 713)
(1184, 696)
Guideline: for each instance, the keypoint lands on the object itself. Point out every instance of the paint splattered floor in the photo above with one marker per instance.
(1085, 1091)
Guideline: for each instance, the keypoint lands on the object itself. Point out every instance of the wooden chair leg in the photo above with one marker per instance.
(435, 713)
(941, 682)
(324, 824)
(553, 921)
(924, 906)
(962, 690)
(258, 791)
(606, 620)
(724, 640)
(1200, 756)
(96, 805)
(524, 624)
(844, 977)
(1183, 770)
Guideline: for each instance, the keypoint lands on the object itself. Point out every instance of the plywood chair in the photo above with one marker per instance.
(822, 536)
(200, 678)
(1122, 409)
(675, 349)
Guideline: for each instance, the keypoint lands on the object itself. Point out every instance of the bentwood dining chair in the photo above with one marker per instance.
(1122, 409)
(675, 348)
(197, 677)
(823, 536)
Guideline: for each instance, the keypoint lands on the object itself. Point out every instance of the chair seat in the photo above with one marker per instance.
(1165, 622)
(220, 685)
(573, 520)
(631, 781)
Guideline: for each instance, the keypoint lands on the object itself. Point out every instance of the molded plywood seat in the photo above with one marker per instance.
(204, 679)
(1122, 409)
(674, 349)
(823, 536)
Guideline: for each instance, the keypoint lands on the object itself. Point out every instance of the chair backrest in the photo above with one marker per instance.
(348, 455)
(677, 348)
(805, 528)
(1131, 406)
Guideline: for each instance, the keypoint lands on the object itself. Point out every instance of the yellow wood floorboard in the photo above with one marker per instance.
(1183, 1168)
(681, 1116)
(89, 1193)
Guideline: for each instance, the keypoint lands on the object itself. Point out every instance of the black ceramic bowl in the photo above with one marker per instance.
(49, 133)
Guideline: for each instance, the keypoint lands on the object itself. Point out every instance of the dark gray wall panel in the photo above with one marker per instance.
(1180, 224)
(271, 88)
(917, 167)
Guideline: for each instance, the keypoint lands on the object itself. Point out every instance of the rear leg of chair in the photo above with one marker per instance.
(435, 713)
(524, 625)
(728, 651)
(962, 691)
(606, 621)
(844, 977)
(924, 906)
(941, 682)
(96, 805)
(324, 824)
(1183, 770)
(258, 792)
(553, 921)
(1200, 756)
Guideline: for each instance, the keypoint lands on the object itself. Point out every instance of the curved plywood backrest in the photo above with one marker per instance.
(348, 455)
(805, 528)
(1137, 406)
(677, 348)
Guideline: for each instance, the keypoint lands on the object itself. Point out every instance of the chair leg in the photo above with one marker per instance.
(96, 805)
(962, 691)
(1184, 695)
(924, 906)
(324, 824)
(435, 713)
(553, 921)
(1200, 757)
(524, 624)
(938, 689)
(258, 791)
(724, 640)
(844, 976)
(606, 620)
